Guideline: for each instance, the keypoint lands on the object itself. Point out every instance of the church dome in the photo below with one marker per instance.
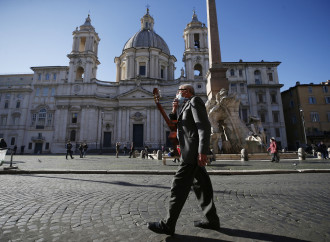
(146, 37)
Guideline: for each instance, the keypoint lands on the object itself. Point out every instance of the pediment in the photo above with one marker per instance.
(136, 93)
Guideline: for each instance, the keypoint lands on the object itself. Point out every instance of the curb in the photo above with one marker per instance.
(163, 172)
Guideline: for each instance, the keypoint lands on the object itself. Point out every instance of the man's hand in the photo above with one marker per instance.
(175, 105)
(202, 159)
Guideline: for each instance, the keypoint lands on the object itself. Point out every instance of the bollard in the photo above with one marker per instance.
(301, 154)
(244, 155)
(159, 155)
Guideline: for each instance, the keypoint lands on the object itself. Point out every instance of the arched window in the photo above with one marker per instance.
(73, 135)
(257, 77)
(80, 73)
(198, 70)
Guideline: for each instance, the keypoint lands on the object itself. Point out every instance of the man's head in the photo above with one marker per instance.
(186, 90)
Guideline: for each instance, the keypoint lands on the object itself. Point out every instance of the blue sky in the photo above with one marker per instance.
(294, 32)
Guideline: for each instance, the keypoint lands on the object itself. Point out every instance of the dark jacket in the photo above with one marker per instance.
(194, 129)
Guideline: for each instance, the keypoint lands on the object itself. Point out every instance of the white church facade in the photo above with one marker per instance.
(39, 112)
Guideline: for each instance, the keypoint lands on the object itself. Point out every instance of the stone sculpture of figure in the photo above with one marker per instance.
(182, 72)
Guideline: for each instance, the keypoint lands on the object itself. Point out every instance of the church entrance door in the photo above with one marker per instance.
(107, 139)
(38, 148)
(138, 135)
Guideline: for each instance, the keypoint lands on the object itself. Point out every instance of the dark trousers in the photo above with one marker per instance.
(187, 176)
(68, 152)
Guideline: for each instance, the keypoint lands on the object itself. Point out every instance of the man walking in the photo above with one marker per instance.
(194, 131)
(68, 147)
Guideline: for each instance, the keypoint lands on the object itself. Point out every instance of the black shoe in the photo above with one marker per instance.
(159, 228)
(207, 225)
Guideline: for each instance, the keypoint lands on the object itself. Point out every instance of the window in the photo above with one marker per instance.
(47, 146)
(47, 76)
(260, 97)
(233, 87)
(277, 132)
(42, 117)
(198, 70)
(53, 92)
(16, 120)
(242, 87)
(45, 92)
(240, 72)
(6, 104)
(257, 77)
(262, 117)
(12, 141)
(325, 89)
(328, 115)
(273, 97)
(293, 119)
(232, 72)
(37, 92)
(39, 77)
(196, 41)
(74, 118)
(3, 120)
(270, 76)
(312, 100)
(276, 116)
(142, 70)
(315, 118)
(54, 76)
(162, 72)
(327, 100)
(49, 119)
(18, 104)
(30, 146)
(310, 90)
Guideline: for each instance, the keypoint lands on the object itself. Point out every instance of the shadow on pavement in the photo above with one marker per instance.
(190, 238)
(256, 235)
(120, 183)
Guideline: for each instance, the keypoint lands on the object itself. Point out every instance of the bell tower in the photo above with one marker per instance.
(196, 53)
(83, 57)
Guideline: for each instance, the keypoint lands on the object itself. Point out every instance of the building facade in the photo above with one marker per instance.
(41, 111)
(307, 114)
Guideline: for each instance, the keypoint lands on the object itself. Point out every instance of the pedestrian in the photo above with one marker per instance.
(132, 150)
(273, 150)
(146, 152)
(68, 147)
(117, 149)
(85, 147)
(125, 149)
(163, 149)
(323, 150)
(81, 150)
(194, 132)
(172, 154)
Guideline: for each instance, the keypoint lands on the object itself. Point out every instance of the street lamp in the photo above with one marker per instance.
(303, 123)
(101, 143)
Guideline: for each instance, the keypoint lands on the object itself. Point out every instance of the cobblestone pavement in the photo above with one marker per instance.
(72, 207)
(109, 162)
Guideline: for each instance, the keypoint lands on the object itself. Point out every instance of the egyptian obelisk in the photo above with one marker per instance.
(216, 77)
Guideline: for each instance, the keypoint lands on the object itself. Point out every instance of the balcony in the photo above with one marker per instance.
(38, 138)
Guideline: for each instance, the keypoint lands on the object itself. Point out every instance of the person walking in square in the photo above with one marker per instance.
(273, 150)
(132, 150)
(68, 147)
(117, 149)
(194, 132)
